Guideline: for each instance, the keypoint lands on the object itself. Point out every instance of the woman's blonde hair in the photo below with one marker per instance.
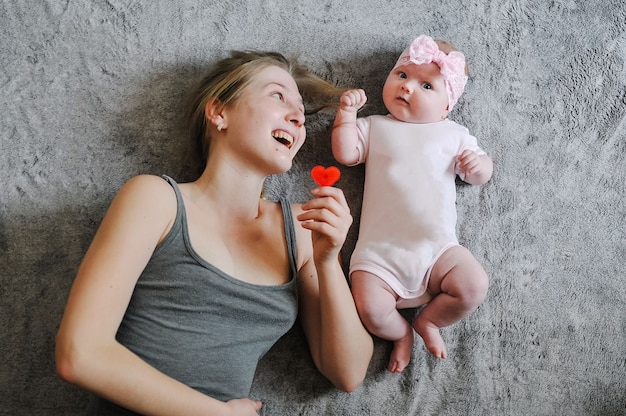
(226, 79)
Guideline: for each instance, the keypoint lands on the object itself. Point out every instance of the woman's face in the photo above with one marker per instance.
(266, 124)
(416, 93)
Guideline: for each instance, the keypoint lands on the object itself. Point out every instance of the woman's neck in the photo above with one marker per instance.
(234, 192)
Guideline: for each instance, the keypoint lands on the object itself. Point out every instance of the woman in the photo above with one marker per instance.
(185, 287)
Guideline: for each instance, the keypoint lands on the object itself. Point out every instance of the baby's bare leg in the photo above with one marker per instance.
(376, 303)
(459, 285)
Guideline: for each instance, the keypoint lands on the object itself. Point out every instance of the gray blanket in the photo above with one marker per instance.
(91, 95)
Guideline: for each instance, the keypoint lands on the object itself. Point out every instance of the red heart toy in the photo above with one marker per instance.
(325, 176)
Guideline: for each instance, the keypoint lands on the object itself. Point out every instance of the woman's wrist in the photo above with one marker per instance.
(328, 267)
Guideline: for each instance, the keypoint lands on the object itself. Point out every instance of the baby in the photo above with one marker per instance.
(407, 254)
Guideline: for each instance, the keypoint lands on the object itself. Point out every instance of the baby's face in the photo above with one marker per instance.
(416, 93)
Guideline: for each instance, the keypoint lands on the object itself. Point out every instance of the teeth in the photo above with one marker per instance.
(283, 137)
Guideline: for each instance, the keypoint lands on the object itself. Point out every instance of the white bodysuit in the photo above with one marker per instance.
(408, 217)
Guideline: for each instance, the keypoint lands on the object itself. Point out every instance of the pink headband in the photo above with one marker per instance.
(424, 50)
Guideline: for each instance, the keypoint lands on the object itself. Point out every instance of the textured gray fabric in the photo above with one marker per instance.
(91, 92)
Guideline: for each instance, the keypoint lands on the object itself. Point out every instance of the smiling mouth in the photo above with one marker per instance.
(283, 138)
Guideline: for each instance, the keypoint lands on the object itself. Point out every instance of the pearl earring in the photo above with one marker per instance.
(220, 126)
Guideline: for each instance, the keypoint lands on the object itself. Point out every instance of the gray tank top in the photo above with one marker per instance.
(199, 325)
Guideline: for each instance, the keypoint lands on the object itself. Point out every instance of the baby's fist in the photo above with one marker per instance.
(467, 162)
(353, 99)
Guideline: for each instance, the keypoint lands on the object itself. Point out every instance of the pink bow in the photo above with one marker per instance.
(424, 50)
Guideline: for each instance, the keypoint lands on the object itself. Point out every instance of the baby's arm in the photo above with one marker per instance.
(474, 168)
(344, 136)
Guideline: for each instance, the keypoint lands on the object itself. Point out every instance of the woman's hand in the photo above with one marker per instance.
(328, 218)
(244, 407)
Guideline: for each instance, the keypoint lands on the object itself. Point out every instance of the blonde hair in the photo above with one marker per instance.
(226, 79)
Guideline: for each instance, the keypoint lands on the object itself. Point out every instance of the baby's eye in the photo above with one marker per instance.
(402, 75)
(427, 86)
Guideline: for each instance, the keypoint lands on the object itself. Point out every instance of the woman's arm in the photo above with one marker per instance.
(340, 345)
(87, 353)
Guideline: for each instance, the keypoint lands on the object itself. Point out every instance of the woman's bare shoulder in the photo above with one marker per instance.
(147, 188)
(148, 197)
(152, 183)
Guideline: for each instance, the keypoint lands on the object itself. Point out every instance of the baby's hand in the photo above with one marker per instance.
(352, 100)
(467, 163)
(473, 168)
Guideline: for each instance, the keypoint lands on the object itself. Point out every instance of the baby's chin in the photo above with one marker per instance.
(416, 120)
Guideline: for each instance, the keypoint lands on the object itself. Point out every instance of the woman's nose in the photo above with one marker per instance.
(296, 116)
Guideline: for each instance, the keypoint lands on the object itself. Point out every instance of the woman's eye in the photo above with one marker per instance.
(427, 86)
(278, 95)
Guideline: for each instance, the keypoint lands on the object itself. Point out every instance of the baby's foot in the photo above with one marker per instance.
(432, 338)
(401, 354)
